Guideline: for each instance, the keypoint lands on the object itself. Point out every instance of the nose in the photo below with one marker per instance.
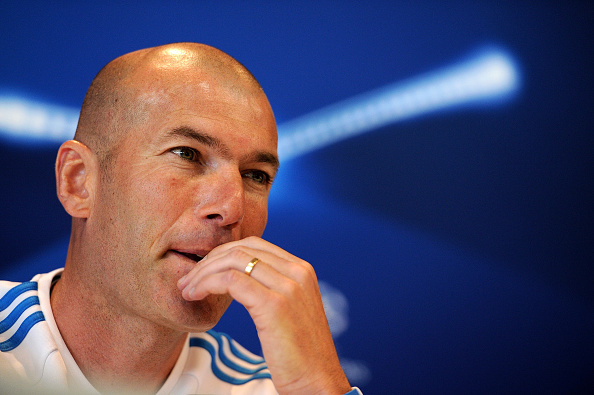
(223, 200)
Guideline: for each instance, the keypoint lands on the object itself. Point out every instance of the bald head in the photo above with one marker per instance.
(127, 89)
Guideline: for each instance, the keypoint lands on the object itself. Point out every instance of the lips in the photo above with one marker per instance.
(194, 257)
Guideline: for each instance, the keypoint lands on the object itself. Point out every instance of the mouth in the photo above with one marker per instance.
(194, 257)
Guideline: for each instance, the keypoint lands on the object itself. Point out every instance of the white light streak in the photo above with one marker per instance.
(486, 77)
(22, 118)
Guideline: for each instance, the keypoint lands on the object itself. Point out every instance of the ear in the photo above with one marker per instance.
(75, 178)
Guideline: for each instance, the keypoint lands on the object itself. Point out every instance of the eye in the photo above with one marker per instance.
(186, 153)
(259, 177)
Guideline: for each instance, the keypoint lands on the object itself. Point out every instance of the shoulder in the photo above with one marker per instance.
(20, 310)
(227, 362)
(25, 339)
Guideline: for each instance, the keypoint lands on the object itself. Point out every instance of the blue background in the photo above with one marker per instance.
(462, 239)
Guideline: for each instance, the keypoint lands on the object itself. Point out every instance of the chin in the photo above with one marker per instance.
(202, 315)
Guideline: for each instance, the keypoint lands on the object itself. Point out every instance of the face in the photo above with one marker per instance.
(193, 172)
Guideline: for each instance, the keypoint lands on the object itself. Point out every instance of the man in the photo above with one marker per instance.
(167, 182)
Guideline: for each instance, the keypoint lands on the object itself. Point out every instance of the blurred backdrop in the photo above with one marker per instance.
(436, 169)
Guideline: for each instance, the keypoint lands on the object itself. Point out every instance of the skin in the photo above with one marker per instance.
(174, 154)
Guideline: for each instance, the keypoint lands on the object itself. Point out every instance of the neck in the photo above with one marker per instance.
(117, 351)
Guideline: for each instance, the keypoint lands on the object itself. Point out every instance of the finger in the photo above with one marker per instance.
(249, 244)
(286, 263)
(262, 272)
(255, 243)
(229, 259)
(236, 257)
(239, 286)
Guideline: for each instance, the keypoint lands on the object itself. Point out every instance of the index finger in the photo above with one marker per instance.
(255, 243)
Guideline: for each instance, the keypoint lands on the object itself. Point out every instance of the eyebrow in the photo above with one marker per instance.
(266, 157)
(203, 138)
(218, 145)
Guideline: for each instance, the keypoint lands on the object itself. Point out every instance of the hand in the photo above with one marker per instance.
(283, 298)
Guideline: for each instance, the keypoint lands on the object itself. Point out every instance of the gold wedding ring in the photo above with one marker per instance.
(250, 266)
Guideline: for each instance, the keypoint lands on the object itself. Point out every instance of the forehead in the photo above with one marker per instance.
(217, 106)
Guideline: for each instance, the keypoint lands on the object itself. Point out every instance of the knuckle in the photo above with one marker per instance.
(237, 253)
(251, 239)
(278, 302)
(301, 275)
(292, 288)
(231, 276)
(304, 274)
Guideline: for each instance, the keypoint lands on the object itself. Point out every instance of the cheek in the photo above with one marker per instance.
(256, 216)
(158, 194)
(153, 203)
